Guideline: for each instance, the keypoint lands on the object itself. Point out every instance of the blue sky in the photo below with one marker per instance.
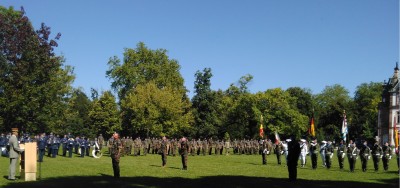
(310, 44)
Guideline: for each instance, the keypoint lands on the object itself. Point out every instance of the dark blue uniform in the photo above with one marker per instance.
(64, 145)
(42, 147)
(83, 147)
(54, 147)
(70, 145)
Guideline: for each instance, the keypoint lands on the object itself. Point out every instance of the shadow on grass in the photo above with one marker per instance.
(105, 181)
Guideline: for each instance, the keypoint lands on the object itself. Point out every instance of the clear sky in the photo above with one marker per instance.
(310, 44)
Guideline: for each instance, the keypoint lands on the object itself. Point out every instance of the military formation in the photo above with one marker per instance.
(52, 145)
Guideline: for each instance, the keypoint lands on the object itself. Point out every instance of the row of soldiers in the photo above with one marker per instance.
(196, 147)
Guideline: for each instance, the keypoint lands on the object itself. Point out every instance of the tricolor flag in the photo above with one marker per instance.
(344, 126)
(261, 128)
(312, 127)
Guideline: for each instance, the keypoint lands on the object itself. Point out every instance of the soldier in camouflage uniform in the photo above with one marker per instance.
(184, 147)
(116, 147)
(163, 151)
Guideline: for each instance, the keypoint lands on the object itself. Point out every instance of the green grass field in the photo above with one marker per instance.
(203, 171)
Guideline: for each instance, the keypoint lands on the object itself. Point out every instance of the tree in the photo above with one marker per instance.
(104, 114)
(142, 65)
(204, 105)
(144, 68)
(280, 115)
(34, 82)
(330, 105)
(76, 116)
(365, 119)
(303, 100)
(156, 112)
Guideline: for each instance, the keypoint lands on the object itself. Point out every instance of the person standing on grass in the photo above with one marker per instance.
(278, 151)
(341, 152)
(293, 157)
(115, 149)
(352, 155)
(328, 154)
(314, 153)
(376, 155)
(386, 156)
(163, 151)
(13, 153)
(184, 152)
(365, 156)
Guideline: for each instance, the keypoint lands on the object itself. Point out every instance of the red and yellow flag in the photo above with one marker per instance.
(261, 128)
(396, 136)
(312, 127)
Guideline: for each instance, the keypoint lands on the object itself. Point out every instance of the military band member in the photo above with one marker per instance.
(322, 152)
(42, 146)
(100, 140)
(314, 153)
(303, 152)
(365, 156)
(341, 152)
(64, 145)
(70, 146)
(328, 154)
(352, 155)
(376, 155)
(386, 156)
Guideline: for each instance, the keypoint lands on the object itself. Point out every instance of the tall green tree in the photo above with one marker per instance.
(151, 71)
(280, 113)
(76, 116)
(142, 65)
(104, 114)
(34, 82)
(365, 118)
(330, 104)
(204, 105)
(157, 112)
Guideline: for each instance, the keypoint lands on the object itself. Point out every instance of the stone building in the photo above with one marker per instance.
(388, 109)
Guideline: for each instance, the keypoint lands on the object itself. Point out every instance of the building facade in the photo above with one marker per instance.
(388, 109)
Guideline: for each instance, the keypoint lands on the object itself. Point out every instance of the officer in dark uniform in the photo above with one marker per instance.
(41, 146)
(386, 156)
(352, 155)
(314, 153)
(83, 146)
(328, 154)
(365, 156)
(70, 146)
(64, 145)
(376, 155)
(184, 152)
(293, 157)
(49, 144)
(77, 144)
(54, 146)
(341, 152)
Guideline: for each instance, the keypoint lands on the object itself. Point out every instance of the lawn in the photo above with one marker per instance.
(203, 171)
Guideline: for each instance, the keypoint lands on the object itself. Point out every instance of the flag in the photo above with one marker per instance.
(277, 139)
(312, 127)
(344, 126)
(261, 128)
(396, 136)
